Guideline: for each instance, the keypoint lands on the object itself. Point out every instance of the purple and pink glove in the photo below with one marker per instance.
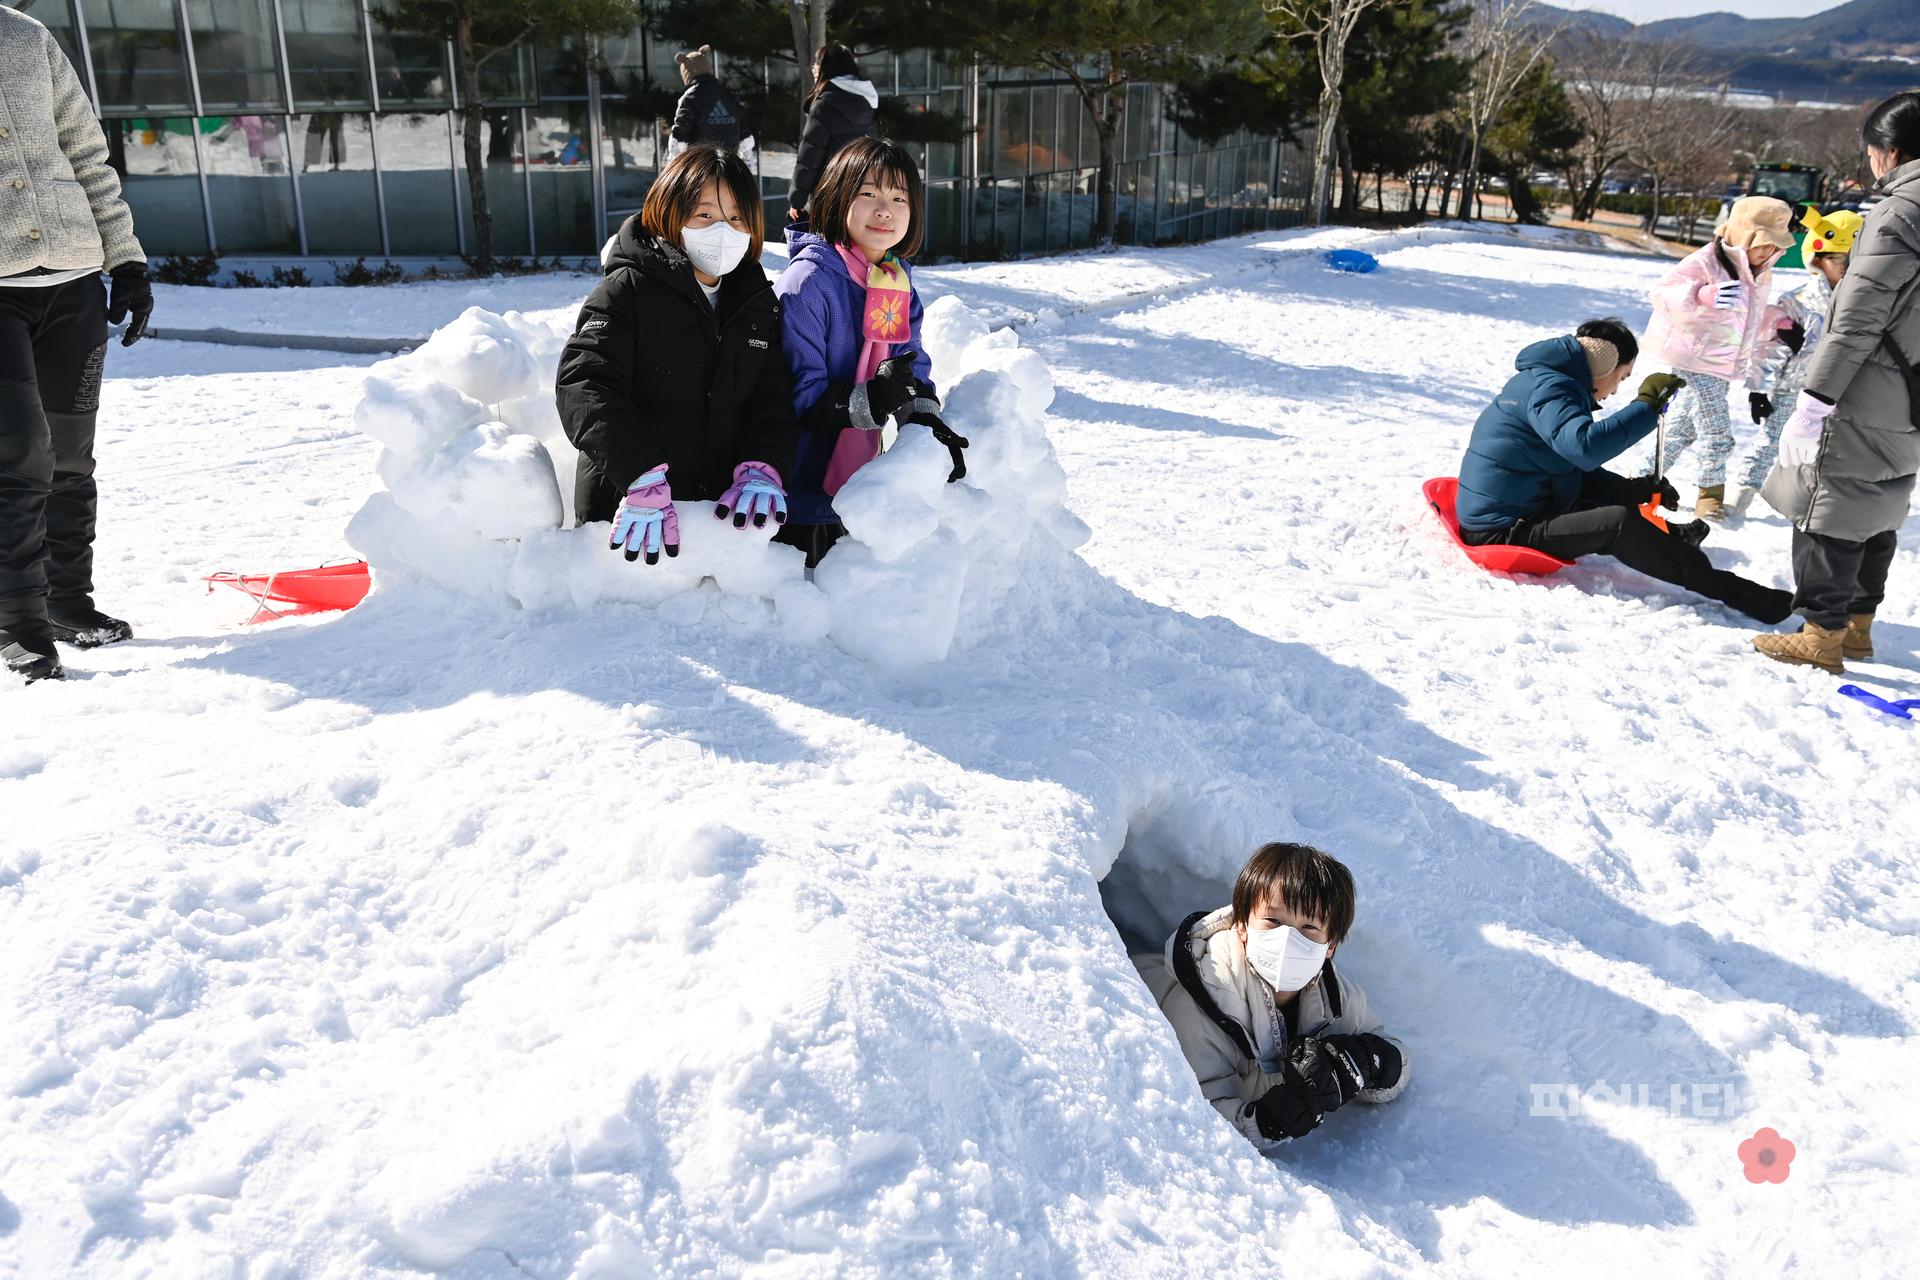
(1800, 438)
(1724, 296)
(756, 492)
(646, 520)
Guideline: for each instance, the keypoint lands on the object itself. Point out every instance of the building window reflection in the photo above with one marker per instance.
(139, 58)
(161, 179)
(333, 152)
(236, 52)
(416, 176)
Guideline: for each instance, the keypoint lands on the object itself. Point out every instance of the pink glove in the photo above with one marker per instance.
(1800, 438)
(756, 492)
(646, 520)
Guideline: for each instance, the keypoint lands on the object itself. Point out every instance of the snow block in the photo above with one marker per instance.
(477, 475)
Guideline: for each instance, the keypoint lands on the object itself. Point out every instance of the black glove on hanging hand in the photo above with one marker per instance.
(947, 436)
(1762, 405)
(1795, 336)
(131, 293)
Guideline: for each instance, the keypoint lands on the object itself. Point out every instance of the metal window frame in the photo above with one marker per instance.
(286, 130)
(79, 10)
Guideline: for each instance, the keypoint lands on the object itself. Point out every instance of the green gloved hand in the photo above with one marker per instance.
(1659, 389)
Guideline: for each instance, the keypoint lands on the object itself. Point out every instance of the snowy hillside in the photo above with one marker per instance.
(496, 932)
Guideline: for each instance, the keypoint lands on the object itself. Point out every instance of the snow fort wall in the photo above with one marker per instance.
(476, 490)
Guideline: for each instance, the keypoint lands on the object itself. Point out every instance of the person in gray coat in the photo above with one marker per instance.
(1849, 453)
(62, 222)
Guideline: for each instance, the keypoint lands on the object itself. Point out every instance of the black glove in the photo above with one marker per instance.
(1795, 336)
(1659, 389)
(1762, 405)
(894, 387)
(1648, 486)
(1321, 1074)
(1693, 532)
(131, 292)
(947, 436)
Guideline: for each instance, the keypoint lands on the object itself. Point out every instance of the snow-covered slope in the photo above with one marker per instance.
(610, 939)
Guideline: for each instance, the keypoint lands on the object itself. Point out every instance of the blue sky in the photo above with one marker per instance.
(1651, 10)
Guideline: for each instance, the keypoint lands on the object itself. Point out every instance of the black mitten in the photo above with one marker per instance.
(1795, 336)
(1762, 405)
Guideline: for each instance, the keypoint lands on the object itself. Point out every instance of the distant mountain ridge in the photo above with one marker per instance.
(1856, 30)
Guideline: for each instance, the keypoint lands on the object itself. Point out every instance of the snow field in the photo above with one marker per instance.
(608, 937)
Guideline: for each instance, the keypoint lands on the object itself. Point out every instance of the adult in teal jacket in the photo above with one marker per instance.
(1533, 473)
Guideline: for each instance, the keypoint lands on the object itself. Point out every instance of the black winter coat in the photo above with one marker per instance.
(654, 374)
(836, 118)
(710, 114)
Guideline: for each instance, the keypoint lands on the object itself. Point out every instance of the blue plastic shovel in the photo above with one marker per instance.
(1903, 708)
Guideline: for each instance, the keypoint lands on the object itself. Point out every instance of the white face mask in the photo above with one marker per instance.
(717, 249)
(1285, 957)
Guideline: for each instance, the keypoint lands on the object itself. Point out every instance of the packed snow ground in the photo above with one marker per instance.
(619, 940)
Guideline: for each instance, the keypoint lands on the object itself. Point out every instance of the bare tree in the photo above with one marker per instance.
(1685, 137)
(1503, 42)
(1612, 85)
(1329, 24)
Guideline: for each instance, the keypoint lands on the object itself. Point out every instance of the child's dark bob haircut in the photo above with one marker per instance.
(860, 162)
(675, 194)
(1310, 882)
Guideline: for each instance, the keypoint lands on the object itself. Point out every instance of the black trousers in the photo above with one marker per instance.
(53, 346)
(814, 539)
(1834, 578)
(1607, 521)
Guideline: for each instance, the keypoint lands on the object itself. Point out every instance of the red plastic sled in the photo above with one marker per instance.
(1497, 556)
(299, 591)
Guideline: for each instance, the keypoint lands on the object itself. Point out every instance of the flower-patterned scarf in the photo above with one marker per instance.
(885, 320)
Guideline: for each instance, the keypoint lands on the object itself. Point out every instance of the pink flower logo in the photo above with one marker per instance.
(1767, 1157)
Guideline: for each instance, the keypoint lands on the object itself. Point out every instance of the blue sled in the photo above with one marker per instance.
(1352, 260)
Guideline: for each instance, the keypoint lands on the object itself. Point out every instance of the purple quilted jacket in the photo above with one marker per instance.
(820, 329)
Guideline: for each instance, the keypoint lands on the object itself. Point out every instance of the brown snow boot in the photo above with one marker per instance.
(1812, 645)
(1859, 639)
(1711, 505)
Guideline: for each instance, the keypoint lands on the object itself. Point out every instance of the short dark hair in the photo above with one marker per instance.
(1307, 880)
(855, 165)
(675, 194)
(1612, 329)
(1894, 125)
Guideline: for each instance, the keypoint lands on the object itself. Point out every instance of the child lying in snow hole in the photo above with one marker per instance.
(1278, 1037)
(674, 384)
(1532, 475)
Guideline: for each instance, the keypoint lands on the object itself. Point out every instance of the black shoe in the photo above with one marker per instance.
(1694, 531)
(28, 650)
(86, 627)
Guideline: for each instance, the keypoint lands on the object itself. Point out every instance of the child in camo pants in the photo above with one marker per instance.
(1828, 245)
(1712, 324)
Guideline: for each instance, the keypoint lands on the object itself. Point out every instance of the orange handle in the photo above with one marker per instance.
(1651, 510)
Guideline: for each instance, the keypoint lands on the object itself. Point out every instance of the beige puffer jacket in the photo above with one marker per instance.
(1231, 1077)
(60, 204)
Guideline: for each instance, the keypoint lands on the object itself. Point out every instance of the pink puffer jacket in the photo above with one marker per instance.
(1689, 335)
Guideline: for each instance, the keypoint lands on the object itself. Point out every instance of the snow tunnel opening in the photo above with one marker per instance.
(1168, 867)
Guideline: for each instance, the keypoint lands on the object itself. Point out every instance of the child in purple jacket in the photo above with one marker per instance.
(850, 323)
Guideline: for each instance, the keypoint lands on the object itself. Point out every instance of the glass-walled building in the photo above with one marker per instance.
(276, 128)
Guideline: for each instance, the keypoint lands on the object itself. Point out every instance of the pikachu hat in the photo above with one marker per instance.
(1830, 232)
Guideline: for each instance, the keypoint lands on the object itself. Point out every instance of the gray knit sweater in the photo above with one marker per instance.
(60, 204)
